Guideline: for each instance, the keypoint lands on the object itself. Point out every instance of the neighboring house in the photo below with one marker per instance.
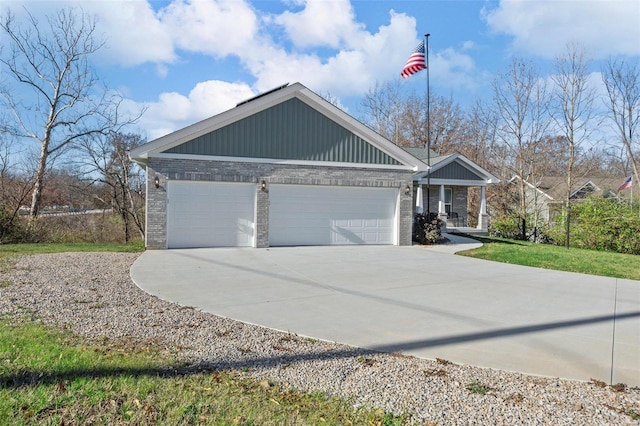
(445, 188)
(283, 168)
(546, 198)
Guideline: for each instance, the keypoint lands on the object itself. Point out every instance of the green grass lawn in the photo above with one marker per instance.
(7, 251)
(50, 378)
(592, 262)
(17, 249)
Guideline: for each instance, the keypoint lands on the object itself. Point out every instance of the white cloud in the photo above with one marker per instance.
(136, 34)
(370, 58)
(468, 45)
(173, 110)
(345, 59)
(131, 32)
(216, 27)
(545, 27)
(321, 23)
(453, 69)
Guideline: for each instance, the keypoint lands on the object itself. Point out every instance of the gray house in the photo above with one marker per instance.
(547, 196)
(283, 168)
(444, 188)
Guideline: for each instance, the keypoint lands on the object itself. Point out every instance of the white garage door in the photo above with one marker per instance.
(210, 214)
(331, 215)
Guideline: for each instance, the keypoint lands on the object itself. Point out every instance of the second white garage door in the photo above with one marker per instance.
(210, 214)
(331, 215)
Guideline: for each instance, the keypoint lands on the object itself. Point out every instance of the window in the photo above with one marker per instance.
(447, 200)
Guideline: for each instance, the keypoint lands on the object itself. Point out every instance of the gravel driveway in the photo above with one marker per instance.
(92, 295)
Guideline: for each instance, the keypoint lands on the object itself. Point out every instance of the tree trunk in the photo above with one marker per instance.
(125, 225)
(568, 225)
(36, 196)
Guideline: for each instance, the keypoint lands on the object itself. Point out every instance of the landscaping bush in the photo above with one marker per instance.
(427, 229)
(505, 227)
(510, 227)
(601, 224)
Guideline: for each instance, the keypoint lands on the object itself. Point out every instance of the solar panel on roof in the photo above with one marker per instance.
(262, 94)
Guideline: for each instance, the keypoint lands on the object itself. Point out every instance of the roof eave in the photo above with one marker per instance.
(243, 110)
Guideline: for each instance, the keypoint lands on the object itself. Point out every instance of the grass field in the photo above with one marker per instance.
(592, 262)
(15, 249)
(51, 378)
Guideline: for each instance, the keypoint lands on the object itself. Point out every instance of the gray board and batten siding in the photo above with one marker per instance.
(277, 132)
(455, 170)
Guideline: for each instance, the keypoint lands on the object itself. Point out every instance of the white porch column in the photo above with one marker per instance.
(442, 211)
(419, 199)
(482, 215)
(441, 208)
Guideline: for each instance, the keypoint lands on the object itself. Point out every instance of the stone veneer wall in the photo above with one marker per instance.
(226, 171)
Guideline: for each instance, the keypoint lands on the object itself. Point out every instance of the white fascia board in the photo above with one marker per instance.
(451, 182)
(488, 177)
(535, 188)
(210, 124)
(245, 110)
(595, 187)
(447, 160)
(279, 161)
(470, 164)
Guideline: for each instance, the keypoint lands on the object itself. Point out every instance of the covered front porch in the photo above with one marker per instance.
(455, 189)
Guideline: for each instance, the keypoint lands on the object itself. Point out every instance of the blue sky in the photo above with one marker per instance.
(186, 60)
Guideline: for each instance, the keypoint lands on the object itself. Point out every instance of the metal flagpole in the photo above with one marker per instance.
(426, 54)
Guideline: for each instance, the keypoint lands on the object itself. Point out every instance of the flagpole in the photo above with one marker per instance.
(426, 54)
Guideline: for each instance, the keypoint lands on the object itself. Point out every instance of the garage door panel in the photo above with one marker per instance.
(326, 215)
(210, 214)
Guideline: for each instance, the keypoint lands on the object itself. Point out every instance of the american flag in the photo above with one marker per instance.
(415, 62)
(626, 184)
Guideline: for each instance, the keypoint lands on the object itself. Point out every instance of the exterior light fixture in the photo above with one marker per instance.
(263, 185)
(156, 182)
(407, 190)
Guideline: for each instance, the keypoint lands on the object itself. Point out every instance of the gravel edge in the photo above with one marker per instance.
(92, 295)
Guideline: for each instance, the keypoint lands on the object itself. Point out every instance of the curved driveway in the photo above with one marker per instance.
(420, 301)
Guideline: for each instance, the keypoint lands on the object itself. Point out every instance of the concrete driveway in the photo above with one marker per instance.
(420, 301)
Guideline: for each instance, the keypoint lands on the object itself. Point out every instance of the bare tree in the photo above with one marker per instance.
(574, 113)
(447, 125)
(622, 81)
(476, 140)
(520, 101)
(106, 161)
(55, 98)
(402, 118)
(382, 108)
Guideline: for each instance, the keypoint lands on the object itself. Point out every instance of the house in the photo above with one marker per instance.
(283, 168)
(547, 196)
(444, 188)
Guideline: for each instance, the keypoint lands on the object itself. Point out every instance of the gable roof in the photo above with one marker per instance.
(555, 187)
(288, 124)
(454, 169)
